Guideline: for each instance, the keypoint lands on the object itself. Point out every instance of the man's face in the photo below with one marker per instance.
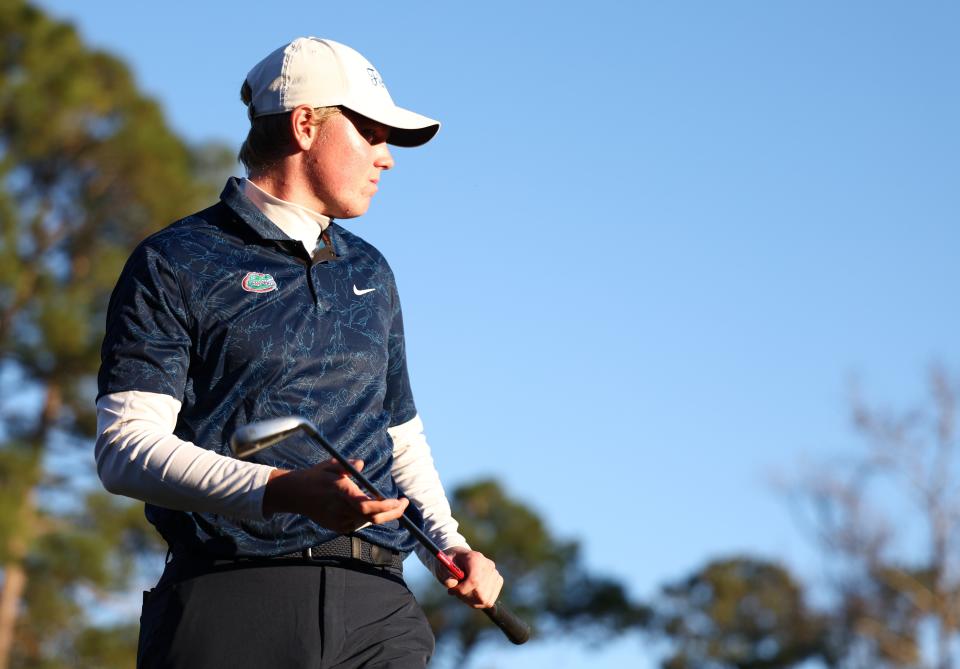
(343, 165)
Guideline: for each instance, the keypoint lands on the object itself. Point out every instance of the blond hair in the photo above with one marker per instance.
(270, 138)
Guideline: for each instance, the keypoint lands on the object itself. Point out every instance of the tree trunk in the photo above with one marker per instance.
(14, 583)
(14, 575)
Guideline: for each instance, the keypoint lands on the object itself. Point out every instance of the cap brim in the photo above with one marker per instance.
(407, 128)
(412, 137)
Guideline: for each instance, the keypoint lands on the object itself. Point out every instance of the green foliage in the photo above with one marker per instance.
(90, 552)
(739, 613)
(891, 601)
(97, 547)
(546, 581)
(19, 472)
(106, 648)
(88, 167)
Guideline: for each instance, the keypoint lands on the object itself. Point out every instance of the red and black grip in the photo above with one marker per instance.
(513, 627)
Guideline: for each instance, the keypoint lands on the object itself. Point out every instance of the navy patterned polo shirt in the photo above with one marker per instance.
(225, 313)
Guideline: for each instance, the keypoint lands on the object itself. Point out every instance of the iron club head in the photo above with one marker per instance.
(255, 437)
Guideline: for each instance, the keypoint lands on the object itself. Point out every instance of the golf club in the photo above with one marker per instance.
(255, 437)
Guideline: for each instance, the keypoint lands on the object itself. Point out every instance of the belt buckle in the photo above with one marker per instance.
(380, 556)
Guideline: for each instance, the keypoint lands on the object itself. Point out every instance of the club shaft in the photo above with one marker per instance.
(405, 520)
(515, 629)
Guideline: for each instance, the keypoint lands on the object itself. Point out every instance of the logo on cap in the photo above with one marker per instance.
(255, 282)
(375, 77)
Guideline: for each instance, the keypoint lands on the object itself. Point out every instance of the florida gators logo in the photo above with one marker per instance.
(255, 282)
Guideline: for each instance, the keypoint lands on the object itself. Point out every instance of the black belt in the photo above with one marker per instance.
(342, 551)
(353, 548)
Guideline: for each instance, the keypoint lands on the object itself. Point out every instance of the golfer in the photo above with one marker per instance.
(263, 306)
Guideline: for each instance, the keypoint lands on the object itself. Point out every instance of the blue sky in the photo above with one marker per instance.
(649, 249)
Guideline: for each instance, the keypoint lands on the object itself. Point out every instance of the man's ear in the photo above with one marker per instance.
(301, 124)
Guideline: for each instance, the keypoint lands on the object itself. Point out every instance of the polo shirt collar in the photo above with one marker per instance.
(247, 211)
(298, 222)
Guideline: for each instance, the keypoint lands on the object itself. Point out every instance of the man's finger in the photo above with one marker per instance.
(482, 583)
(353, 491)
(335, 465)
(370, 507)
(383, 512)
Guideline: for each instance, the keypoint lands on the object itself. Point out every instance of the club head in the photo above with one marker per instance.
(254, 437)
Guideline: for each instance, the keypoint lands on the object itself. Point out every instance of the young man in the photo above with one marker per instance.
(262, 306)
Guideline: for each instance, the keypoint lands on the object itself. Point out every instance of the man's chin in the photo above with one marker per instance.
(352, 212)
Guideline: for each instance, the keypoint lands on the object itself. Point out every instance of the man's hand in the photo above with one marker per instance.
(482, 582)
(326, 494)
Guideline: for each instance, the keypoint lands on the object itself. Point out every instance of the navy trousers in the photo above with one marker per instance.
(282, 613)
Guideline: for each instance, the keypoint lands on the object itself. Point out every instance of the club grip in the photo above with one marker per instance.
(516, 630)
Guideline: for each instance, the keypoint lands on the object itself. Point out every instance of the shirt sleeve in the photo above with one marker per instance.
(418, 480)
(139, 456)
(147, 342)
(399, 397)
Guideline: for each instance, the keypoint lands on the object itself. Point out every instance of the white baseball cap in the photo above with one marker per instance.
(323, 73)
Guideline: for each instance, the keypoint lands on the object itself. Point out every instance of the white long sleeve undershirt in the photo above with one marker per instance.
(139, 456)
(416, 476)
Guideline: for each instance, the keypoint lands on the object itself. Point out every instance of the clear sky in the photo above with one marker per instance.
(648, 250)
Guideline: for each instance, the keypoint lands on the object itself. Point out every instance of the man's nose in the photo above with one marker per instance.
(384, 159)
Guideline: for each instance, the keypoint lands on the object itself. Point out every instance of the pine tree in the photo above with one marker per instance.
(546, 582)
(88, 167)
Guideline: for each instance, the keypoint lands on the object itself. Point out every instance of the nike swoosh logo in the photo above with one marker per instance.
(357, 291)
